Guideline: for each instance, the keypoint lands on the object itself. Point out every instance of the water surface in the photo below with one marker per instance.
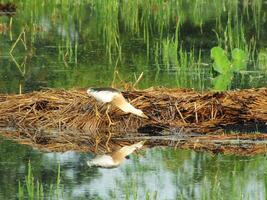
(160, 173)
(80, 44)
(74, 44)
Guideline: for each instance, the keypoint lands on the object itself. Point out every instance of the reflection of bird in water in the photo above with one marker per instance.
(116, 158)
(113, 96)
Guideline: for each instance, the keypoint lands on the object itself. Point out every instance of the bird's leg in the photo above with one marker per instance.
(97, 114)
(109, 132)
(97, 141)
(109, 136)
(110, 122)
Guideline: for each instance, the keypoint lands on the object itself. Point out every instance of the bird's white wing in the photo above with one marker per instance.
(116, 158)
(103, 96)
(102, 161)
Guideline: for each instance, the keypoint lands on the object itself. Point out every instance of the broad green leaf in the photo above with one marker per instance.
(221, 62)
(240, 59)
(222, 82)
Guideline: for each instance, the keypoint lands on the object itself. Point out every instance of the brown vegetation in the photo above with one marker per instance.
(63, 120)
(8, 9)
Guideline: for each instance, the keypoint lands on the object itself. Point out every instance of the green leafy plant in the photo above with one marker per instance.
(226, 67)
(221, 62)
(223, 65)
(222, 82)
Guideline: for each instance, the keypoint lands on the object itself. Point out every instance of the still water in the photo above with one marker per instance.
(157, 173)
(74, 44)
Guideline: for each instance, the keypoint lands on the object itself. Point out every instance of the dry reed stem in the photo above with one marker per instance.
(65, 111)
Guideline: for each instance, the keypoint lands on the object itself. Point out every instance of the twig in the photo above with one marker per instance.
(180, 113)
(138, 80)
(115, 72)
(18, 39)
(195, 104)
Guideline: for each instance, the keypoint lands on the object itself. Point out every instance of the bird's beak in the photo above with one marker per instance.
(141, 143)
(144, 116)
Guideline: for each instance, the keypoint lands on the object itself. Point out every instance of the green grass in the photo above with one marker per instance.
(31, 188)
(109, 21)
(134, 36)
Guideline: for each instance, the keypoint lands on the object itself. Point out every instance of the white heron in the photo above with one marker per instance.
(114, 97)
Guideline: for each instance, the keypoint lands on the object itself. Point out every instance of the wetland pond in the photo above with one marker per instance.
(77, 44)
(157, 173)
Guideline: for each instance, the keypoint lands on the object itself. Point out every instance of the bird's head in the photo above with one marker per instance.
(89, 91)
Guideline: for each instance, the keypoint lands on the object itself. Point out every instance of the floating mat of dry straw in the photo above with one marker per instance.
(73, 111)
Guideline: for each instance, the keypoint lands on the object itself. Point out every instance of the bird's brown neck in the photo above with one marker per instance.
(118, 156)
(118, 101)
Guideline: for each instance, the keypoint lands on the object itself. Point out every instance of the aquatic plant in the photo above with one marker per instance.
(225, 67)
(262, 59)
(35, 189)
(92, 35)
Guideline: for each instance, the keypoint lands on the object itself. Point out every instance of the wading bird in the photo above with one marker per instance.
(114, 97)
(116, 158)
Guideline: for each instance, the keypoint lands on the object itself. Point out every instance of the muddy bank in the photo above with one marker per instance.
(63, 120)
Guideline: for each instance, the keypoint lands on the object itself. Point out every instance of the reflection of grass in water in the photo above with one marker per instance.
(131, 190)
(209, 176)
(107, 12)
(173, 54)
(145, 30)
(110, 20)
(233, 35)
(35, 189)
(262, 60)
(193, 175)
